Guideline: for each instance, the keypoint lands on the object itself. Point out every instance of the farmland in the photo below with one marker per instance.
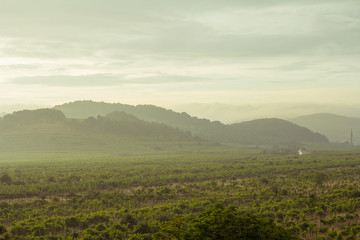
(313, 196)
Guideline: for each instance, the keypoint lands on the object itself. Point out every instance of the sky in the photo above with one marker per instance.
(223, 55)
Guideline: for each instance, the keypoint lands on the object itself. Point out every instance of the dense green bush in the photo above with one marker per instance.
(220, 223)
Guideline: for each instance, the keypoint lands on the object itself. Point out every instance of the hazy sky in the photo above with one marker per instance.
(170, 52)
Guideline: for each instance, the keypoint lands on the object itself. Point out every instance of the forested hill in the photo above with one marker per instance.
(214, 131)
(264, 131)
(50, 130)
(336, 128)
(273, 130)
(27, 117)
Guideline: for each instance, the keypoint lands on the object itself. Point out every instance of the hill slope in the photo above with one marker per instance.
(48, 130)
(198, 127)
(244, 133)
(336, 128)
(275, 131)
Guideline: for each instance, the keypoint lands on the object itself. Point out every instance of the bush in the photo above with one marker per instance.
(218, 222)
(5, 178)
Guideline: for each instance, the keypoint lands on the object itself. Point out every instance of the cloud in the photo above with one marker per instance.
(97, 80)
(19, 67)
(196, 47)
(204, 28)
(70, 81)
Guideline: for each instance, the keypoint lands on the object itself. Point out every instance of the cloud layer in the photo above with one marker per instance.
(167, 51)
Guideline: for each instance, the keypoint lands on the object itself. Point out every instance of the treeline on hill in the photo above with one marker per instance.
(122, 124)
(262, 131)
(116, 123)
(50, 129)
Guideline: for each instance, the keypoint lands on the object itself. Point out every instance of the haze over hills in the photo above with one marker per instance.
(263, 131)
(276, 131)
(48, 130)
(126, 129)
(336, 128)
(234, 113)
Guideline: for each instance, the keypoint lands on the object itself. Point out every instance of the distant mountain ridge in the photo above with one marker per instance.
(262, 131)
(337, 128)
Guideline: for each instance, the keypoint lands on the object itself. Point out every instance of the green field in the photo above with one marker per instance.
(313, 196)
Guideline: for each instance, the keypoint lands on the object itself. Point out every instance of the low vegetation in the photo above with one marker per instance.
(250, 192)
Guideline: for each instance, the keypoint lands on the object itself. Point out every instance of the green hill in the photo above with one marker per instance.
(199, 127)
(336, 128)
(275, 131)
(49, 131)
(267, 132)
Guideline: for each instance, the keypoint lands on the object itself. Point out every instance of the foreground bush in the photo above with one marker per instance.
(218, 222)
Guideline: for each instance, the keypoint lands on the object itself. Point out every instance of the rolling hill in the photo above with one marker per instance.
(275, 131)
(49, 131)
(336, 128)
(263, 131)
